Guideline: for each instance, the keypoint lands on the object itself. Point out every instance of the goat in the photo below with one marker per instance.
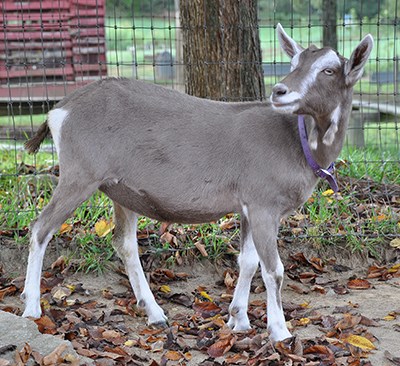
(177, 158)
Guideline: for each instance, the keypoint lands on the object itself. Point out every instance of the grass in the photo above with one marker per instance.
(323, 219)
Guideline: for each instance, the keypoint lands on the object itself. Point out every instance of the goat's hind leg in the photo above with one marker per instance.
(66, 198)
(248, 263)
(125, 242)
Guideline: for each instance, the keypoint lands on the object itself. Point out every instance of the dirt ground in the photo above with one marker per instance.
(379, 303)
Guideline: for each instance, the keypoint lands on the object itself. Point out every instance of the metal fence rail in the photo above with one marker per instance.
(49, 48)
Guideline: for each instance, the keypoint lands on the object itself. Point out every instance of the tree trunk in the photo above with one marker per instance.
(221, 49)
(329, 9)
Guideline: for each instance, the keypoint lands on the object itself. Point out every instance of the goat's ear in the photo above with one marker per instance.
(288, 45)
(354, 67)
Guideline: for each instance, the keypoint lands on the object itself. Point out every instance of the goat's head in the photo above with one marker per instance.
(321, 81)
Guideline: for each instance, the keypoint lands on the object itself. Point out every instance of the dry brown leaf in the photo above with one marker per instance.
(60, 292)
(169, 238)
(22, 356)
(59, 263)
(348, 321)
(54, 357)
(395, 243)
(7, 291)
(358, 284)
(201, 248)
(173, 355)
(206, 309)
(298, 289)
(221, 347)
(65, 228)
(46, 325)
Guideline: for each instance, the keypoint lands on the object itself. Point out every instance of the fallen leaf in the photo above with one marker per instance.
(60, 293)
(221, 347)
(206, 309)
(103, 227)
(53, 358)
(46, 325)
(358, 284)
(165, 289)
(360, 342)
(201, 248)
(348, 321)
(173, 355)
(169, 238)
(205, 295)
(395, 243)
(7, 291)
(328, 193)
(65, 228)
(22, 356)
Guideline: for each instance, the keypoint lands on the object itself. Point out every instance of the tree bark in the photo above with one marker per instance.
(329, 10)
(221, 49)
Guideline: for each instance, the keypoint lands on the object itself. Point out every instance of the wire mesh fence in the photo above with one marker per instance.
(48, 48)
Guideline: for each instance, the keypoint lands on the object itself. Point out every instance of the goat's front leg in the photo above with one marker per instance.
(125, 242)
(264, 230)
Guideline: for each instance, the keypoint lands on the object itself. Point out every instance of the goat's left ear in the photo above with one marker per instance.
(354, 67)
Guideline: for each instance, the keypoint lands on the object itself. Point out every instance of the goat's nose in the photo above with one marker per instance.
(280, 89)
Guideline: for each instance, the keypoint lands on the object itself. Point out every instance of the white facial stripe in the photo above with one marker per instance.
(56, 119)
(329, 60)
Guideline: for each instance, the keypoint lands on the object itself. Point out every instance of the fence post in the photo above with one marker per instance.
(355, 131)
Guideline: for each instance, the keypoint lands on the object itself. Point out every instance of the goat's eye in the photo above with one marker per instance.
(328, 72)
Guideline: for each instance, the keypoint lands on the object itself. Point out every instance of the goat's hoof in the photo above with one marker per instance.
(279, 335)
(159, 325)
(32, 314)
(238, 326)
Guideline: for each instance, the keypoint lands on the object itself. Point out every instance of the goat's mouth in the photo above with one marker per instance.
(285, 102)
(291, 107)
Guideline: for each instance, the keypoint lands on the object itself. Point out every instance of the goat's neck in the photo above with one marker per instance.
(326, 136)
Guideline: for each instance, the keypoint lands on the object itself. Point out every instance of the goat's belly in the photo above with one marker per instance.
(176, 209)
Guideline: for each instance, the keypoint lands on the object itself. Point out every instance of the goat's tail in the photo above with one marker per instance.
(33, 144)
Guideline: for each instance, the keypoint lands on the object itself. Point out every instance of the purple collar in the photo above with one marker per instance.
(318, 171)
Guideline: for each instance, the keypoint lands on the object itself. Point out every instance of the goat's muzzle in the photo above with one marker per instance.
(282, 99)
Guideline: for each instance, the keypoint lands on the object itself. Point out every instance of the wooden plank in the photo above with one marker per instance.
(9, 6)
(39, 92)
(13, 73)
(382, 107)
(44, 54)
(61, 44)
(83, 12)
(44, 18)
(87, 3)
(37, 36)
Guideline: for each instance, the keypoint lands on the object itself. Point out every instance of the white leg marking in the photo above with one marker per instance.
(276, 320)
(130, 255)
(56, 118)
(248, 264)
(31, 293)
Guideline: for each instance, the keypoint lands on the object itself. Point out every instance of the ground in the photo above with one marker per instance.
(343, 309)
